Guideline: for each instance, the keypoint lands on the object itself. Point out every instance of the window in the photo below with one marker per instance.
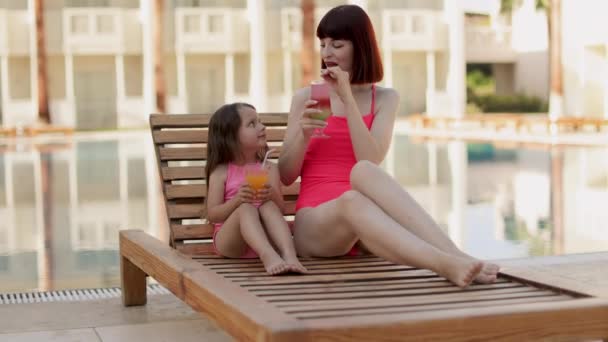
(79, 24)
(215, 23)
(397, 25)
(418, 24)
(192, 23)
(105, 23)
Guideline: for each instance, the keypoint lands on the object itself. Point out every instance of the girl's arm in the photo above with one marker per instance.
(217, 210)
(276, 195)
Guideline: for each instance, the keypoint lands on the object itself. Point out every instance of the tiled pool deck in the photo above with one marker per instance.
(164, 318)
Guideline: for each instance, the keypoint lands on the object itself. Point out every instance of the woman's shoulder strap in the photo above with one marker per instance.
(373, 98)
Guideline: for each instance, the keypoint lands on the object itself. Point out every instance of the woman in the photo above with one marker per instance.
(345, 197)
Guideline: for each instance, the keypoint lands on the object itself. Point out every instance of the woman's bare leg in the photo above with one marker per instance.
(333, 228)
(279, 233)
(399, 205)
(243, 228)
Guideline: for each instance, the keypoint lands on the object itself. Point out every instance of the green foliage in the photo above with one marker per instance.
(491, 103)
(538, 245)
(476, 78)
(508, 6)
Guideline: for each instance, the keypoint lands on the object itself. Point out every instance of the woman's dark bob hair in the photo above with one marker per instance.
(350, 22)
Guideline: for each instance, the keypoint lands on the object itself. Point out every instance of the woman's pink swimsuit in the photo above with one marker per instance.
(325, 173)
(327, 164)
(234, 178)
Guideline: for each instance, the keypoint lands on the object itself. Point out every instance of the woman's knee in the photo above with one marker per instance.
(350, 202)
(362, 171)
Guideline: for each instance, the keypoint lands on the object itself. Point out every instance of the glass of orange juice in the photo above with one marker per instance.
(256, 176)
(319, 91)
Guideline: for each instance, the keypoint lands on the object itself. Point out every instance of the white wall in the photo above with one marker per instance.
(585, 65)
(530, 41)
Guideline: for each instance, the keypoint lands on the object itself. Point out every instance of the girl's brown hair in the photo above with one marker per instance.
(223, 142)
(350, 22)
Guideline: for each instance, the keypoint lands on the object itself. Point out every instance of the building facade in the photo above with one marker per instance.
(100, 71)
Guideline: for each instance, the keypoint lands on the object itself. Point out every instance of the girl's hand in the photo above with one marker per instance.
(339, 80)
(245, 194)
(307, 123)
(263, 195)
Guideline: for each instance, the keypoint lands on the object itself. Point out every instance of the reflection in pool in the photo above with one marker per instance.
(62, 204)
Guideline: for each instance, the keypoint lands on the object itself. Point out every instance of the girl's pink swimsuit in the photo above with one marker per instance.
(327, 164)
(234, 178)
(325, 173)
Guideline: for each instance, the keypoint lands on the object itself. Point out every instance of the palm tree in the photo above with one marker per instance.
(43, 100)
(553, 9)
(159, 83)
(307, 53)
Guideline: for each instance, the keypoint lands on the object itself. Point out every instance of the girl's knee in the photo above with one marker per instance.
(268, 205)
(245, 209)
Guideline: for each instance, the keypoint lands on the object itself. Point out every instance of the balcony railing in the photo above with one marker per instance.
(291, 27)
(101, 30)
(18, 41)
(487, 44)
(218, 30)
(413, 30)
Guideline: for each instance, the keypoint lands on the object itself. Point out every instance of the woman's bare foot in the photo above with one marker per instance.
(460, 271)
(274, 264)
(489, 271)
(488, 274)
(295, 265)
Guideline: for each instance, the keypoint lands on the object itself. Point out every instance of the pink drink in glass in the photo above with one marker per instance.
(319, 91)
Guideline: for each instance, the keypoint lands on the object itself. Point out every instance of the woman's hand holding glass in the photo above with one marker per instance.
(308, 122)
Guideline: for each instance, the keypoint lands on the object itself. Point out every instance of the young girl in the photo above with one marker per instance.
(247, 223)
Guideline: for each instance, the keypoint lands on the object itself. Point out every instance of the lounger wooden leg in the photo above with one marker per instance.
(133, 281)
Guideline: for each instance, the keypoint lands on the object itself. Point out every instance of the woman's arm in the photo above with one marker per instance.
(217, 210)
(370, 144)
(299, 128)
(373, 144)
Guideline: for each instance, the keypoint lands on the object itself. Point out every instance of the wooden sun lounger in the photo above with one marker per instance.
(359, 298)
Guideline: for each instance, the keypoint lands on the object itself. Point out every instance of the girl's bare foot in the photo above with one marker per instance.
(274, 265)
(295, 265)
(460, 271)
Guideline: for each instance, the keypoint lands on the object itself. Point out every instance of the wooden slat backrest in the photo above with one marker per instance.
(180, 143)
